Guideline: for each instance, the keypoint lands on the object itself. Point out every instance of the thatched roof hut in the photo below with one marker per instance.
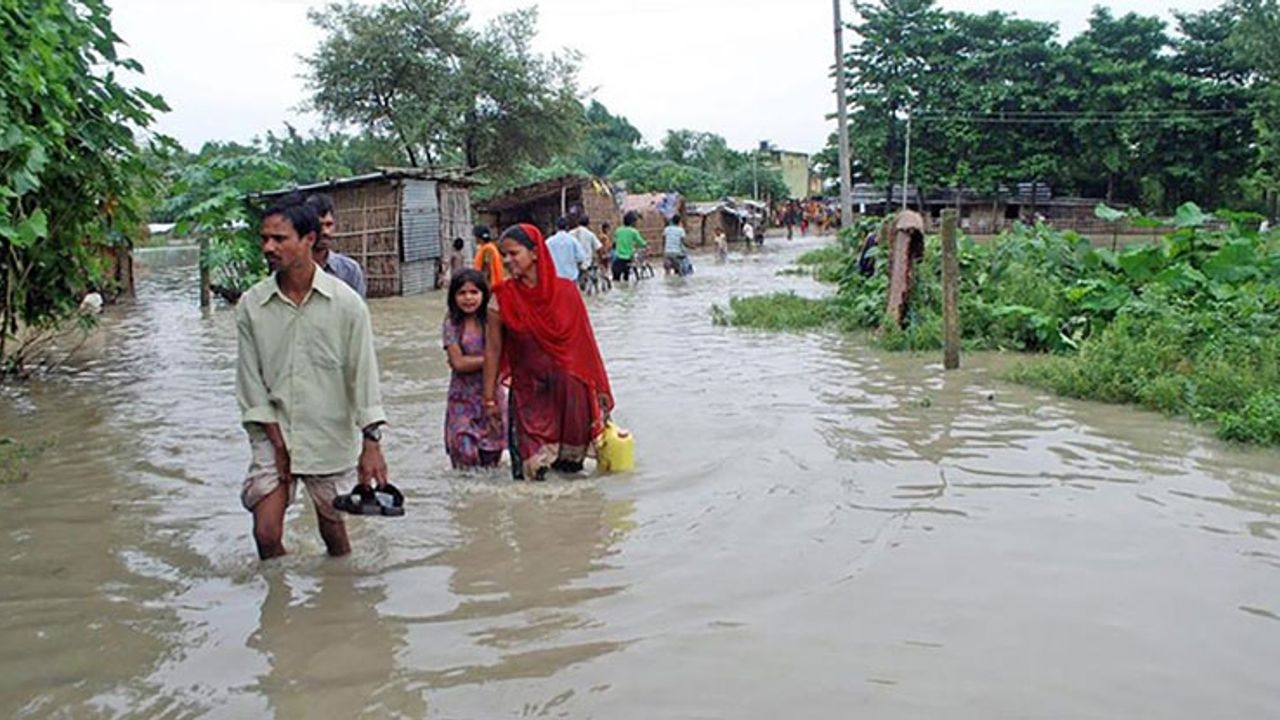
(542, 202)
(396, 223)
(703, 220)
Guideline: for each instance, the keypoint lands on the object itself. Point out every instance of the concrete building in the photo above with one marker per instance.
(794, 167)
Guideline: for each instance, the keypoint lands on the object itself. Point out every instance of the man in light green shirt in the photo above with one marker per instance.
(307, 384)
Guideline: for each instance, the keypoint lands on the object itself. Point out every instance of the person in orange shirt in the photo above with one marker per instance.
(488, 258)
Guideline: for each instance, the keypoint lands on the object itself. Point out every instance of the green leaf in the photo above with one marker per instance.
(33, 228)
(1140, 264)
(1190, 215)
(1235, 262)
(1108, 213)
(1181, 277)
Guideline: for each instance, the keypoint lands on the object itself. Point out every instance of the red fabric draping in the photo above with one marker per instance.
(553, 312)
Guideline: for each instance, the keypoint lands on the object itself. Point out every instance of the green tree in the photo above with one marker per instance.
(745, 181)
(72, 176)
(208, 201)
(316, 158)
(609, 141)
(415, 73)
(704, 150)
(890, 63)
(1124, 110)
(643, 175)
(1253, 40)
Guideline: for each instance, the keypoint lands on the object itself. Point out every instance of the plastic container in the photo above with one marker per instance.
(617, 450)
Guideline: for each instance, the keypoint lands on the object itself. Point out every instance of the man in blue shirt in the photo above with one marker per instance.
(566, 251)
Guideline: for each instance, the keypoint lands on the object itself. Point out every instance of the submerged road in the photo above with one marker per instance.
(814, 529)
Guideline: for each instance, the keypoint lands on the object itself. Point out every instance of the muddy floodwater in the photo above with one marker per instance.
(815, 529)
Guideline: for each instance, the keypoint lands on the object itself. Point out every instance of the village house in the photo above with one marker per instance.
(702, 220)
(541, 203)
(397, 223)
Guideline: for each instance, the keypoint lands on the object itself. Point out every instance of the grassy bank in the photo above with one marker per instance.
(1188, 326)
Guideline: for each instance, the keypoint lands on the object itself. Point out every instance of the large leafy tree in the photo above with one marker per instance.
(608, 142)
(72, 176)
(1253, 42)
(1126, 110)
(415, 73)
(893, 61)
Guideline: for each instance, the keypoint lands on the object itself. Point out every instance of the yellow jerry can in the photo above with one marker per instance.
(617, 450)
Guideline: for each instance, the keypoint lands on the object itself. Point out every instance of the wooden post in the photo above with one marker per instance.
(950, 292)
(564, 199)
(206, 291)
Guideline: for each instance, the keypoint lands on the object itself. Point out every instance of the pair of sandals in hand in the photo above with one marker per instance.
(386, 500)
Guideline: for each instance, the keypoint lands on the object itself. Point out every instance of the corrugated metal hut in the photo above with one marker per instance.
(541, 203)
(396, 223)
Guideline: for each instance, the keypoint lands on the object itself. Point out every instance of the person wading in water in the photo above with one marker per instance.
(540, 341)
(306, 384)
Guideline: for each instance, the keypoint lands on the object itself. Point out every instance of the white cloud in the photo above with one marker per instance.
(747, 69)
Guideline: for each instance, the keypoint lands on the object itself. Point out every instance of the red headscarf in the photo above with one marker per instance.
(554, 312)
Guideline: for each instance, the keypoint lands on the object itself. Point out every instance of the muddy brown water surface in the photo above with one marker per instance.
(814, 529)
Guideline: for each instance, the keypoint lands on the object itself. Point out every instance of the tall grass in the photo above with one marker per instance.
(1189, 326)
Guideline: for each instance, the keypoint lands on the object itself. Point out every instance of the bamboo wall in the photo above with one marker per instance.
(368, 230)
(543, 212)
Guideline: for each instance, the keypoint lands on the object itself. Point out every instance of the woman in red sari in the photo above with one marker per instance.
(539, 341)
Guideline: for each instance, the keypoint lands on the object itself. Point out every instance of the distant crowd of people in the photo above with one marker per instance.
(582, 256)
(807, 214)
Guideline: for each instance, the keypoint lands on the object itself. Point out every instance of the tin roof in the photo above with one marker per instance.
(382, 174)
(533, 192)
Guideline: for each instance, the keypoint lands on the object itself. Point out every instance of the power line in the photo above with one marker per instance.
(1087, 117)
(1085, 113)
(1080, 119)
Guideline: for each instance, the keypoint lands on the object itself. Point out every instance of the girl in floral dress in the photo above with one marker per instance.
(471, 438)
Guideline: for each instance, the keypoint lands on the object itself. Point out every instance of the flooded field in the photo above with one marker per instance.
(815, 529)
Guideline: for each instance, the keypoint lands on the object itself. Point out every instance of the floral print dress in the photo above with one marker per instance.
(470, 439)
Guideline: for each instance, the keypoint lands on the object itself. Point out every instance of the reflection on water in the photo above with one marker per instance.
(813, 525)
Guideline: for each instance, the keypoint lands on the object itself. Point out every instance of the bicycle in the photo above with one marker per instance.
(641, 268)
(594, 280)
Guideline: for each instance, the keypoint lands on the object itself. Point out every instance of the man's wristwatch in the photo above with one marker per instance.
(372, 433)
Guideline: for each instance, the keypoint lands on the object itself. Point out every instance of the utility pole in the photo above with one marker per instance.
(755, 179)
(842, 113)
(906, 162)
(950, 292)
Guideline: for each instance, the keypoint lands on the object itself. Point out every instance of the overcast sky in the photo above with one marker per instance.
(749, 70)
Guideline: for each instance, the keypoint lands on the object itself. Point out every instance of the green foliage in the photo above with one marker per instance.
(1126, 110)
(208, 201)
(414, 73)
(1188, 326)
(746, 180)
(779, 311)
(667, 176)
(609, 141)
(706, 170)
(318, 158)
(72, 177)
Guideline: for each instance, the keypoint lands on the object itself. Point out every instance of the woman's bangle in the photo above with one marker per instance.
(489, 402)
